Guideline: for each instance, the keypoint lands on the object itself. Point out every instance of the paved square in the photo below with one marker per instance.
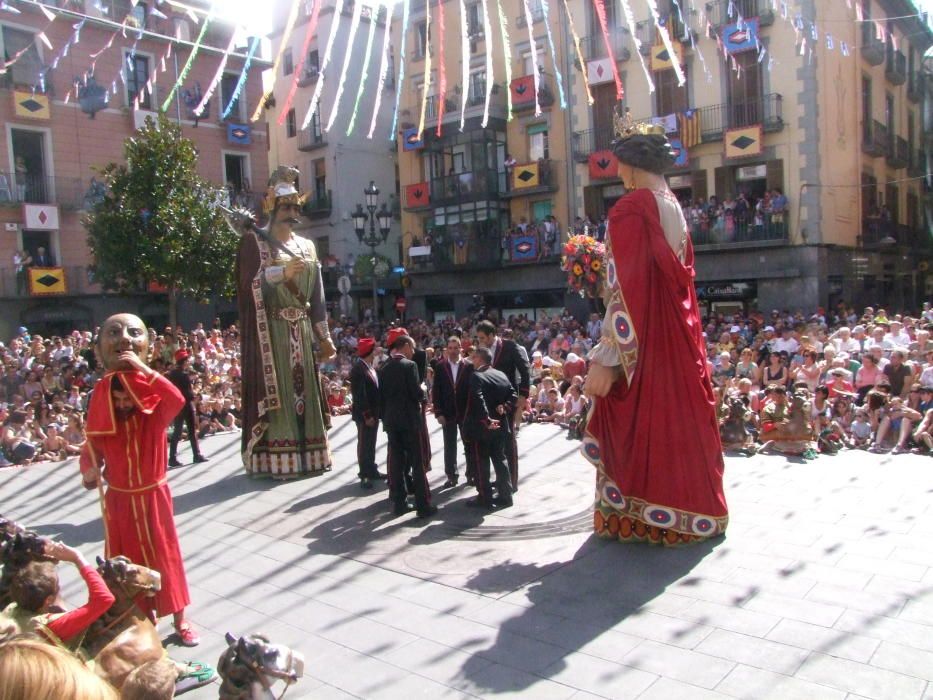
(821, 588)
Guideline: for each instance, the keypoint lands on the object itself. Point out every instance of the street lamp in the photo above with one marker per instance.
(372, 237)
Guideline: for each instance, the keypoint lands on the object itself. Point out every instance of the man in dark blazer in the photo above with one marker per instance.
(364, 387)
(488, 423)
(401, 397)
(187, 416)
(449, 396)
(508, 359)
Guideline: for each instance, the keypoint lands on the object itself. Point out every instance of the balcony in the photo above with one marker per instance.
(586, 142)
(744, 234)
(308, 140)
(537, 15)
(532, 178)
(470, 186)
(78, 281)
(877, 233)
(594, 46)
(898, 152)
(523, 93)
(457, 253)
(896, 69)
(766, 110)
(874, 139)
(308, 75)
(66, 192)
(872, 47)
(319, 207)
(718, 12)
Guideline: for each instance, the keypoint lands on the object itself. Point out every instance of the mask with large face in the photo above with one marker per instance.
(120, 333)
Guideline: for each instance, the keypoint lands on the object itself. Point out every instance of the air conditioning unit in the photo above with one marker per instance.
(139, 117)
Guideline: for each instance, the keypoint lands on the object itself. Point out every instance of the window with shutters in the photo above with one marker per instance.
(745, 91)
(288, 62)
(228, 84)
(26, 70)
(137, 76)
(291, 124)
(422, 37)
(538, 147)
(669, 97)
(320, 179)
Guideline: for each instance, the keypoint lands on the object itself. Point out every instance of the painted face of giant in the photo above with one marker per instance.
(120, 333)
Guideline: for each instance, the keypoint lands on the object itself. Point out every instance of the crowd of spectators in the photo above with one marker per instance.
(739, 218)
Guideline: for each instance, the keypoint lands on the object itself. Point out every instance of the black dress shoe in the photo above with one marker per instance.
(479, 502)
(366, 484)
(450, 483)
(427, 512)
(172, 462)
(501, 502)
(402, 509)
(200, 458)
(381, 476)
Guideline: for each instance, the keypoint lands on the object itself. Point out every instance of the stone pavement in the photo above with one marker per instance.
(821, 588)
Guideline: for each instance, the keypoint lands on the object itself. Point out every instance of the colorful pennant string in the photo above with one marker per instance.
(215, 81)
(550, 41)
(425, 89)
(600, 6)
(383, 70)
(535, 68)
(507, 50)
(442, 71)
(630, 21)
(464, 63)
(666, 40)
(406, 7)
(579, 50)
(367, 57)
(184, 71)
(354, 27)
(253, 46)
(325, 64)
(286, 38)
(299, 70)
(490, 78)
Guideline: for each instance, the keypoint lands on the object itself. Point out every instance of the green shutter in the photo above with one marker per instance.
(537, 128)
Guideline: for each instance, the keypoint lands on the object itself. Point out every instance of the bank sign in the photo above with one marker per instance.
(727, 290)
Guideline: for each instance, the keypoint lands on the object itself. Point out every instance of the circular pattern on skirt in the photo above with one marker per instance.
(612, 494)
(660, 516)
(590, 450)
(611, 273)
(704, 526)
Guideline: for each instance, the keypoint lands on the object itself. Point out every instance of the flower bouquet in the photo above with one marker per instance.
(584, 261)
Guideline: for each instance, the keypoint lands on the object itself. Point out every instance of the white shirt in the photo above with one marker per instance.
(850, 345)
(789, 345)
(898, 339)
(372, 372)
(454, 369)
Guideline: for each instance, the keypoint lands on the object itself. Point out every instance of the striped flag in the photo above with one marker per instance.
(690, 134)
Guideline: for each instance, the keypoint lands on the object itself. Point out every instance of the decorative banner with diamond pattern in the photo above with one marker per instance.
(241, 134)
(44, 281)
(31, 106)
(599, 71)
(417, 195)
(661, 57)
(737, 38)
(40, 217)
(603, 165)
(524, 247)
(743, 143)
(526, 176)
(411, 139)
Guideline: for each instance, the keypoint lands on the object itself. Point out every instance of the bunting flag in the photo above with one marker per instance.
(367, 57)
(342, 81)
(630, 21)
(184, 71)
(507, 50)
(490, 77)
(600, 6)
(603, 165)
(299, 69)
(406, 7)
(286, 39)
(535, 68)
(442, 71)
(579, 50)
(666, 40)
(325, 63)
(426, 88)
(383, 69)
(465, 61)
(690, 133)
(253, 46)
(417, 195)
(550, 41)
(215, 81)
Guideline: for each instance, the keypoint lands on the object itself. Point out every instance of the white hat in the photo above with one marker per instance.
(769, 328)
(735, 329)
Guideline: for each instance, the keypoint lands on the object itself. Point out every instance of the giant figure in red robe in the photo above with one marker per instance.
(652, 433)
(130, 409)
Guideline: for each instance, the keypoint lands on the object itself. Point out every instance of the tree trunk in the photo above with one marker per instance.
(173, 306)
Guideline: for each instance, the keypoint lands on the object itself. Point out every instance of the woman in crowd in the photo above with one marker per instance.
(809, 372)
(775, 371)
(746, 368)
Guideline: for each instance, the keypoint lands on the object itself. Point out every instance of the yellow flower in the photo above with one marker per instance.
(578, 269)
(596, 264)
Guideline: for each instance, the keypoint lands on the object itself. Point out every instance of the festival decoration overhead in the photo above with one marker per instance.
(184, 71)
(325, 64)
(465, 59)
(406, 9)
(579, 50)
(215, 81)
(341, 83)
(550, 41)
(299, 69)
(507, 50)
(286, 38)
(490, 77)
(367, 56)
(535, 67)
(383, 71)
(253, 46)
(661, 28)
(426, 87)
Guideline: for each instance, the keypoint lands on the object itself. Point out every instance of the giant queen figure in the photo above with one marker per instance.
(652, 433)
(282, 315)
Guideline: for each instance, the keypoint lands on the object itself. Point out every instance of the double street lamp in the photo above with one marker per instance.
(372, 237)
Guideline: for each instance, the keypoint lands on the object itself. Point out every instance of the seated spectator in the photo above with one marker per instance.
(899, 373)
(923, 434)
(723, 370)
(775, 371)
(552, 410)
(17, 439)
(74, 432)
(838, 384)
(747, 369)
(897, 419)
(154, 680)
(860, 430)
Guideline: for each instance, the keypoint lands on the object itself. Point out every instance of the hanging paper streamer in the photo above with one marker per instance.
(383, 69)
(286, 37)
(184, 71)
(576, 45)
(427, 69)
(367, 57)
(215, 81)
(401, 67)
(630, 21)
(465, 62)
(253, 46)
(490, 78)
(693, 45)
(550, 41)
(305, 47)
(666, 40)
(442, 72)
(600, 6)
(325, 62)
(354, 27)
(536, 69)
(507, 50)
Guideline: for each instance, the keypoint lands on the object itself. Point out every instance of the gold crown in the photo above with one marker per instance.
(626, 127)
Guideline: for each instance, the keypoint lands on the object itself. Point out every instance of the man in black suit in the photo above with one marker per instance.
(508, 359)
(401, 397)
(187, 416)
(488, 423)
(449, 396)
(364, 387)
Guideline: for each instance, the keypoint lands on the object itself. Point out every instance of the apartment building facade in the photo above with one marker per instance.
(56, 140)
(838, 127)
(336, 166)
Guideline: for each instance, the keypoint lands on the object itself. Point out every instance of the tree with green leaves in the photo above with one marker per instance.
(159, 221)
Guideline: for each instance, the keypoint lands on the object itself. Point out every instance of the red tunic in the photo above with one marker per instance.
(654, 438)
(138, 514)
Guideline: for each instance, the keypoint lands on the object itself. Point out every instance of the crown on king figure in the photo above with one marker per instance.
(626, 127)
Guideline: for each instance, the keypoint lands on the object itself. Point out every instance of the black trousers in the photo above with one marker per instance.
(406, 454)
(187, 417)
(451, 430)
(492, 448)
(511, 454)
(366, 449)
